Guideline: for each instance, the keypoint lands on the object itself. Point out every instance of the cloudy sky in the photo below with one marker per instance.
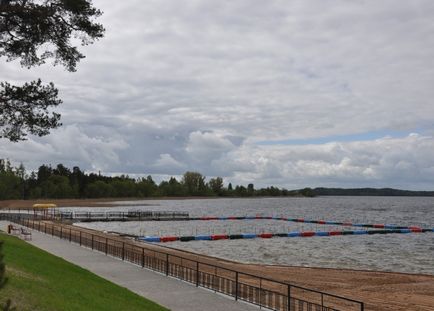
(290, 93)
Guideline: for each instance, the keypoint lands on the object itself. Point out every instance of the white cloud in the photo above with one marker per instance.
(167, 164)
(195, 85)
(400, 162)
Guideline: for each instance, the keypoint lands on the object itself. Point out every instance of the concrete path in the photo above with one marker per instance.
(171, 293)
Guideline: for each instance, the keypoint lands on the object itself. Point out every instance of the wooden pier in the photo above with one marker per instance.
(87, 216)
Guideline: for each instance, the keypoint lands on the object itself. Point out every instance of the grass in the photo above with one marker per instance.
(41, 281)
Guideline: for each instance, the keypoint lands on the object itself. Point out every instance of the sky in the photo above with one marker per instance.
(290, 93)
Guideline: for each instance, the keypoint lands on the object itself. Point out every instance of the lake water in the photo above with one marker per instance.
(412, 253)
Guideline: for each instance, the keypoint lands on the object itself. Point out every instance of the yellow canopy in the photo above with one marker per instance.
(45, 205)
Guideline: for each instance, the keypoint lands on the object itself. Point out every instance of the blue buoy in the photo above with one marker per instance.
(249, 236)
(358, 232)
(150, 239)
(293, 234)
(322, 233)
(203, 238)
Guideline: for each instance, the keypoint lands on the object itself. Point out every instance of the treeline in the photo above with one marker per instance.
(61, 182)
(371, 192)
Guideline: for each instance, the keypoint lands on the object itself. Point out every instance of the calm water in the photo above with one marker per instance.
(411, 253)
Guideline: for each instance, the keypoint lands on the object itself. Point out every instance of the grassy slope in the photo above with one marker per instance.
(41, 281)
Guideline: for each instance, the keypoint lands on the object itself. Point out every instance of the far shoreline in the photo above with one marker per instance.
(112, 202)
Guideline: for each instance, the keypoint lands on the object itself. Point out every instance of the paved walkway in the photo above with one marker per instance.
(171, 293)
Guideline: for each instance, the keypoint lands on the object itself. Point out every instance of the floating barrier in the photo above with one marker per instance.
(215, 237)
(320, 222)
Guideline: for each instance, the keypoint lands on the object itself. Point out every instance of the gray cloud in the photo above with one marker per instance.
(194, 85)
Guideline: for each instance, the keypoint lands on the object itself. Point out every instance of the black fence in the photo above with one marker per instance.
(264, 292)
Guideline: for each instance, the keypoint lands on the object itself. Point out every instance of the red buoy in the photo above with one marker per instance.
(219, 237)
(378, 226)
(168, 238)
(307, 233)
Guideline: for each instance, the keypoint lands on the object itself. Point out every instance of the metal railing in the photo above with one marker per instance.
(264, 292)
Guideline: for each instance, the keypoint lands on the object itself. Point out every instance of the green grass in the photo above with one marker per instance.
(41, 281)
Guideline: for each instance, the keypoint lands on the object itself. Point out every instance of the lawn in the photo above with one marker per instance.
(41, 281)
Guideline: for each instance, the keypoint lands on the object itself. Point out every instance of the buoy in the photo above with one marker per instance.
(307, 233)
(168, 238)
(186, 238)
(249, 236)
(219, 237)
(359, 232)
(293, 234)
(322, 233)
(150, 239)
(203, 238)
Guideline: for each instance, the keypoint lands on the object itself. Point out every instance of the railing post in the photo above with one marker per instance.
(167, 264)
(92, 241)
(80, 237)
(362, 306)
(236, 285)
(143, 257)
(197, 273)
(123, 250)
(69, 234)
(106, 245)
(61, 232)
(289, 297)
(322, 301)
(52, 229)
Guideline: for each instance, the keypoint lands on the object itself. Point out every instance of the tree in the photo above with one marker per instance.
(194, 182)
(250, 189)
(216, 185)
(34, 31)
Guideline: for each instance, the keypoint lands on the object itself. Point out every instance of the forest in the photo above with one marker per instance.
(61, 182)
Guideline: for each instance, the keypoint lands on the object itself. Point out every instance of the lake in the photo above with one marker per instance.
(411, 253)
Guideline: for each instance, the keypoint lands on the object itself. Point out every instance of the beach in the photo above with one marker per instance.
(379, 290)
